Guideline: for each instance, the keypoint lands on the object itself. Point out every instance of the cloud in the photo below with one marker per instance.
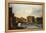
(24, 10)
(37, 11)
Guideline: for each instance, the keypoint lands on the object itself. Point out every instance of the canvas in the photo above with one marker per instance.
(25, 16)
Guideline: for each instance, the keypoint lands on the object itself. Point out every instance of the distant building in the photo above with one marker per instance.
(17, 19)
(23, 19)
(29, 19)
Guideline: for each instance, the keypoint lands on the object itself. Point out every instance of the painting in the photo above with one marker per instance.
(25, 16)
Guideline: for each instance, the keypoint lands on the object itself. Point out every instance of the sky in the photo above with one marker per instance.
(24, 10)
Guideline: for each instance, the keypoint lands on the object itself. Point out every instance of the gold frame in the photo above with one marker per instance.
(22, 2)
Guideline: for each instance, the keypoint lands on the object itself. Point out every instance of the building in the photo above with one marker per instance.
(23, 19)
(30, 19)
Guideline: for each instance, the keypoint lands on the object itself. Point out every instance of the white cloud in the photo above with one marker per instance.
(23, 10)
